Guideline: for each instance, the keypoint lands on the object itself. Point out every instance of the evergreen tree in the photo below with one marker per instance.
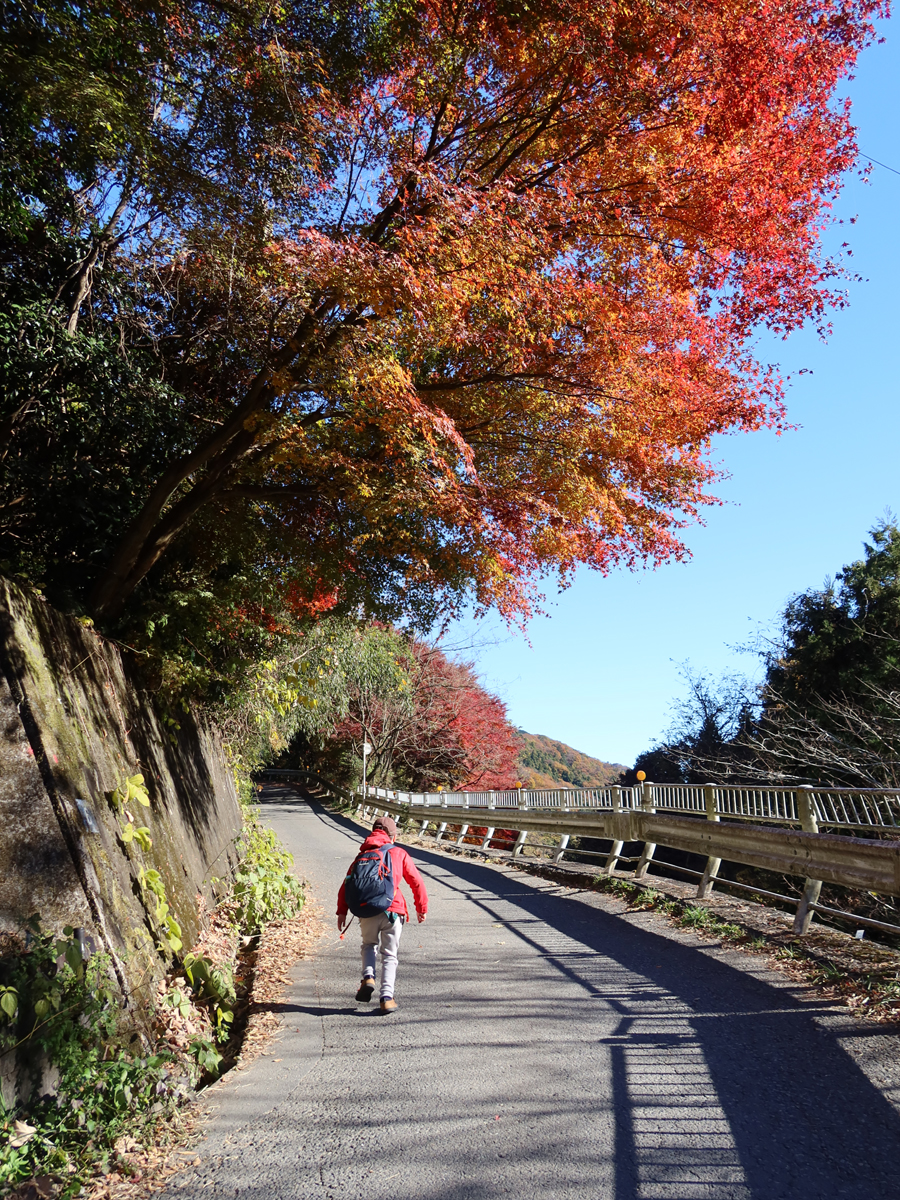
(839, 639)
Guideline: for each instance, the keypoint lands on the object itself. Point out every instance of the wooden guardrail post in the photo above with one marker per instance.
(613, 856)
(711, 869)
(442, 828)
(649, 847)
(808, 822)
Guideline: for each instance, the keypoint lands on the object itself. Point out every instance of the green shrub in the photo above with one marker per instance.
(213, 987)
(56, 1008)
(264, 888)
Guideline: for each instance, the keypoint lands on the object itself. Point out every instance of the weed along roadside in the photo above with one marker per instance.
(101, 1089)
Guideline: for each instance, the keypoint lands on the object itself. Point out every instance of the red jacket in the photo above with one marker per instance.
(403, 868)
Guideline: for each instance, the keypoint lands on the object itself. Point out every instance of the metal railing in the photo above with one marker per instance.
(787, 830)
(332, 789)
(834, 808)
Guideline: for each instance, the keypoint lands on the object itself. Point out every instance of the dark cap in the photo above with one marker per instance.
(387, 824)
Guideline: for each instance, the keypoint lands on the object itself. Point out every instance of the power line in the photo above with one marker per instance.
(878, 164)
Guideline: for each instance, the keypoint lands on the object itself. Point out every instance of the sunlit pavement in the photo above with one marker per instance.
(548, 1044)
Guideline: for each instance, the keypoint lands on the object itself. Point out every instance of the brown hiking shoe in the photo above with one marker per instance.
(366, 988)
(389, 1005)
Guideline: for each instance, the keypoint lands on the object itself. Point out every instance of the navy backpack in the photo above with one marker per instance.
(369, 886)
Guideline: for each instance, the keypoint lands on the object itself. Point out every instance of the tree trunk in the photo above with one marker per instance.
(151, 533)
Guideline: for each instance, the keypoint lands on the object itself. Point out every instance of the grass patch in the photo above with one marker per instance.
(695, 916)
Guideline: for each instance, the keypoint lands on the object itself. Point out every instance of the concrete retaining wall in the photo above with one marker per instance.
(74, 726)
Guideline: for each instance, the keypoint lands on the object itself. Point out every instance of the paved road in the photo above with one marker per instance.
(549, 1044)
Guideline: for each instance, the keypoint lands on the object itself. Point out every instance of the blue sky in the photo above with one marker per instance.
(603, 667)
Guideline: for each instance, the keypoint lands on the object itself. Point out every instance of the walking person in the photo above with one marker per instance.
(372, 893)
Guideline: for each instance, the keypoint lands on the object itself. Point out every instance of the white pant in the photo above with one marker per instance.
(382, 933)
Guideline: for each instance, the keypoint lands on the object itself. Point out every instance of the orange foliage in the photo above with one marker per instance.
(521, 302)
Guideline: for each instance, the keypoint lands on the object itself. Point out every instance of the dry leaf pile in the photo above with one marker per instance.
(222, 944)
(263, 973)
(282, 945)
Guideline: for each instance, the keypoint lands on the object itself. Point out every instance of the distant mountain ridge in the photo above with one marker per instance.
(546, 763)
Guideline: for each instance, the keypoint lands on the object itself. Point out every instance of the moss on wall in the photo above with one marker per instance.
(75, 725)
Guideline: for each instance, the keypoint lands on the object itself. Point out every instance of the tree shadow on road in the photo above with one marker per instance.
(804, 1118)
(287, 797)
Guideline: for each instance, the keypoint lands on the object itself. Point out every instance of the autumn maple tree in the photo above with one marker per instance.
(422, 303)
(466, 741)
(427, 719)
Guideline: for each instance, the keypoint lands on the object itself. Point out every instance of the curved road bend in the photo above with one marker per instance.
(548, 1044)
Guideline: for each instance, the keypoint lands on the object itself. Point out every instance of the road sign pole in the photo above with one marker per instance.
(367, 750)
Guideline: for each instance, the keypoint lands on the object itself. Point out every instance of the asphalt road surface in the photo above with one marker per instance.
(548, 1044)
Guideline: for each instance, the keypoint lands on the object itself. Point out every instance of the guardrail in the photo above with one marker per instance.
(776, 829)
(833, 808)
(332, 788)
